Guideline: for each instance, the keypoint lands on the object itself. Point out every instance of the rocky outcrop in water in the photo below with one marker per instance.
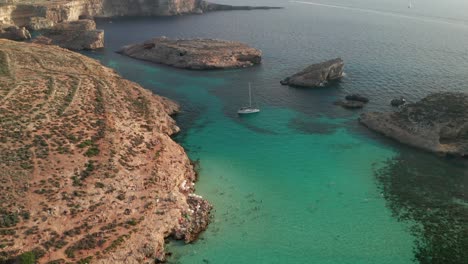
(437, 123)
(75, 35)
(197, 54)
(15, 33)
(210, 7)
(317, 74)
(398, 102)
(88, 170)
(353, 101)
(357, 97)
(350, 104)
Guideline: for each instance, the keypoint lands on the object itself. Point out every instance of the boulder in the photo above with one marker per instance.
(43, 40)
(317, 74)
(437, 123)
(196, 54)
(15, 33)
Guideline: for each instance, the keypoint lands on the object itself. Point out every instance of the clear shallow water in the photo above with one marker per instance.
(302, 182)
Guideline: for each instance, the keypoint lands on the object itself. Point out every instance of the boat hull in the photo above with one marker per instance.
(248, 111)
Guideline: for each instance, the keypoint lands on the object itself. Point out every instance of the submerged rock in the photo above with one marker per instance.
(350, 104)
(15, 33)
(437, 123)
(317, 74)
(398, 101)
(357, 97)
(76, 35)
(198, 54)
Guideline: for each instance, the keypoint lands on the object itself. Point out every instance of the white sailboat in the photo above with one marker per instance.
(410, 5)
(248, 109)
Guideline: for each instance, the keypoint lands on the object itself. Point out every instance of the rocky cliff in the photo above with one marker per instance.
(437, 123)
(88, 170)
(20, 12)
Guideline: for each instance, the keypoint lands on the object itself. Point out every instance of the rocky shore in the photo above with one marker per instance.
(195, 54)
(438, 123)
(88, 169)
(316, 75)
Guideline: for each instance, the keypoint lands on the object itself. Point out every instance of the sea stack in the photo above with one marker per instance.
(438, 123)
(195, 54)
(316, 75)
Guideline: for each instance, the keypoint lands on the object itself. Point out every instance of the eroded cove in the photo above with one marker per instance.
(302, 182)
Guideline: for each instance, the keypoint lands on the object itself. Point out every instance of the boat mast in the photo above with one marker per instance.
(250, 96)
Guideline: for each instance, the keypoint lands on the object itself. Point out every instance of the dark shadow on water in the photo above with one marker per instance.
(432, 193)
(311, 127)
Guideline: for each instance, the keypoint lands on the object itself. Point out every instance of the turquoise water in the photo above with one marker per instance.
(302, 182)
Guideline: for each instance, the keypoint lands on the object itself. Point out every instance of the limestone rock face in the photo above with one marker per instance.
(19, 12)
(87, 163)
(437, 123)
(198, 54)
(76, 35)
(39, 23)
(15, 33)
(317, 74)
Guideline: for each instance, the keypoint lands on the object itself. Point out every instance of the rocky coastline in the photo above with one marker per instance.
(195, 54)
(88, 169)
(316, 75)
(438, 123)
(75, 35)
(31, 13)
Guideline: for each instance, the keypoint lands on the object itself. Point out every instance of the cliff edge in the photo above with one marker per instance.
(88, 169)
(27, 12)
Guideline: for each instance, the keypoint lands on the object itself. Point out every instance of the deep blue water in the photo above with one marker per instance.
(303, 182)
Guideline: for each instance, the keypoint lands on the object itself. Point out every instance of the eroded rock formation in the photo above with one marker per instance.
(317, 74)
(198, 54)
(437, 123)
(75, 35)
(15, 33)
(87, 165)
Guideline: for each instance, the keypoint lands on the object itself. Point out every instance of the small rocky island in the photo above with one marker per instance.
(195, 54)
(437, 123)
(316, 75)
